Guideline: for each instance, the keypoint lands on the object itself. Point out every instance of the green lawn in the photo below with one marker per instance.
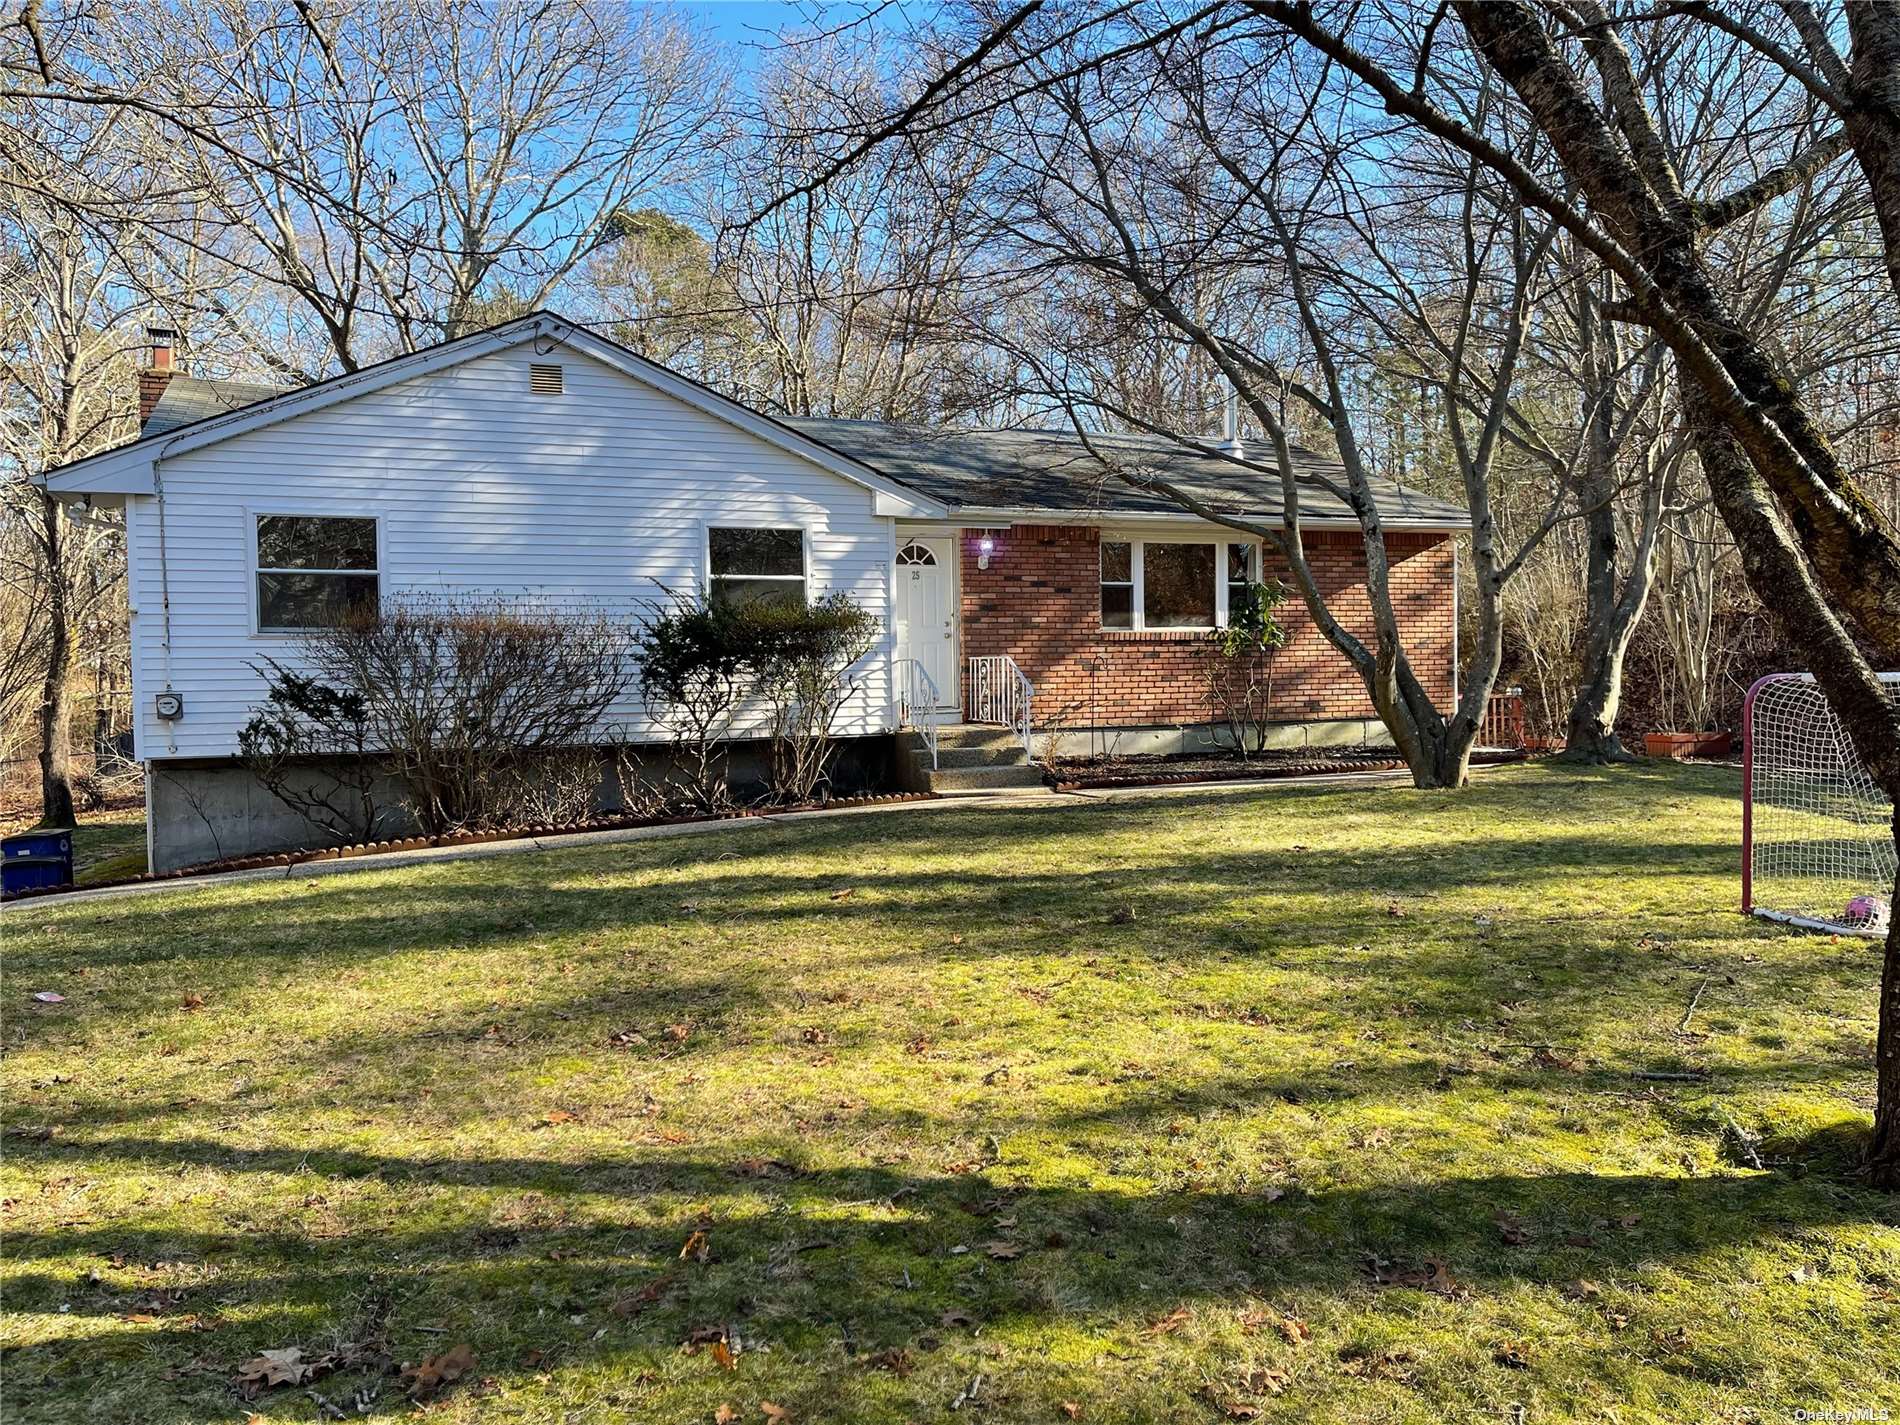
(109, 844)
(1315, 1103)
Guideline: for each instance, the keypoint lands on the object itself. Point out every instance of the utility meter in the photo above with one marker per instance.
(169, 706)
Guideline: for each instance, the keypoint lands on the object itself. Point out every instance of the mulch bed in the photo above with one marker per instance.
(463, 838)
(1187, 768)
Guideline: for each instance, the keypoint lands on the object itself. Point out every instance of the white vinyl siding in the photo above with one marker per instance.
(599, 498)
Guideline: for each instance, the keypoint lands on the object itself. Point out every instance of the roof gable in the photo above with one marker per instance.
(201, 417)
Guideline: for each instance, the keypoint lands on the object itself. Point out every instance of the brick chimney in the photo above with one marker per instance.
(158, 370)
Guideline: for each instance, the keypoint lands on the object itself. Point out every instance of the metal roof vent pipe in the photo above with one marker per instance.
(1230, 426)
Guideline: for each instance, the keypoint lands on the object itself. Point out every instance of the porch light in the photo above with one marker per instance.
(985, 547)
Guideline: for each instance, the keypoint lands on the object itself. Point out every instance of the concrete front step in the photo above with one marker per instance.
(984, 779)
(976, 734)
(949, 755)
(971, 759)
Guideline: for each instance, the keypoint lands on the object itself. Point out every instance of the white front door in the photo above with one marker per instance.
(927, 612)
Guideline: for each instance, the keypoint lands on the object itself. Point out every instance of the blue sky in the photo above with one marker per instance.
(757, 22)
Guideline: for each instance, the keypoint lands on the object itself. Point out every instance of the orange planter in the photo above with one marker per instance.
(1679, 745)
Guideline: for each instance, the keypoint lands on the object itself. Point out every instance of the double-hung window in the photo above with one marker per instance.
(1243, 568)
(313, 570)
(1172, 584)
(747, 564)
(1118, 583)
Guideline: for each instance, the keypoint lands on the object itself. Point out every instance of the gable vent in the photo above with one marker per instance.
(544, 378)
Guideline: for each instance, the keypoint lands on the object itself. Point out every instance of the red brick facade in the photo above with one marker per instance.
(1039, 602)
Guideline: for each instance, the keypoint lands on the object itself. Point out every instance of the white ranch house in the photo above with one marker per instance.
(539, 459)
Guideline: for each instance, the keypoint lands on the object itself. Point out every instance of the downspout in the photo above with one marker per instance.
(1454, 624)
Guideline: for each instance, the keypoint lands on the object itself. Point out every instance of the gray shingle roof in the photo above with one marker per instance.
(1055, 470)
(990, 469)
(194, 398)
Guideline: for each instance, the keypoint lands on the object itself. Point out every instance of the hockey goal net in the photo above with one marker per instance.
(1817, 834)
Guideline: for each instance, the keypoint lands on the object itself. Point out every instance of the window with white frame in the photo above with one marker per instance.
(1172, 584)
(1243, 568)
(1118, 583)
(313, 570)
(746, 564)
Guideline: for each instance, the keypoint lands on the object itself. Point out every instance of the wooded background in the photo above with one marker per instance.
(996, 215)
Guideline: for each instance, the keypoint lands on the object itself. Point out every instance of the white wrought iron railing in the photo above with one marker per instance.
(1001, 693)
(917, 702)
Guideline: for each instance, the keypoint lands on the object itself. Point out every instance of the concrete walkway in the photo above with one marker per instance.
(1011, 801)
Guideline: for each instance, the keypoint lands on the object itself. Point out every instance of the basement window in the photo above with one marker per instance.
(314, 570)
(544, 378)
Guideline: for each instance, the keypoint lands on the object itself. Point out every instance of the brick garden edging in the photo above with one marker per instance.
(1261, 772)
(463, 838)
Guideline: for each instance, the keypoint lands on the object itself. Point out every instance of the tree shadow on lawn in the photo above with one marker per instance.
(360, 920)
(863, 1255)
(1200, 951)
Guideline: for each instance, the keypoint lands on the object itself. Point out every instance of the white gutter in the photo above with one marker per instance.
(1017, 514)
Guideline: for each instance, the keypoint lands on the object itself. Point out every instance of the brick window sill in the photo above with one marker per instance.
(1155, 635)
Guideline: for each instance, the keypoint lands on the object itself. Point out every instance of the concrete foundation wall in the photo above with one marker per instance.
(1180, 739)
(209, 810)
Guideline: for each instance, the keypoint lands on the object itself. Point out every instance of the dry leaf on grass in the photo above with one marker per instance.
(895, 1359)
(561, 1115)
(1433, 1276)
(636, 1302)
(193, 1001)
(723, 1357)
(724, 1414)
(1512, 1229)
(1071, 1409)
(844, 893)
(956, 1319)
(1294, 1329)
(287, 1365)
(1266, 1382)
(1514, 1354)
(1002, 1251)
(437, 1371)
(698, 1247)
(777, 1414)
(1167, 1325)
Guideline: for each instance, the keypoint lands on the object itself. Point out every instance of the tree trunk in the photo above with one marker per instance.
(1883, 1153)
(1609, 624)
(1872, 120)
(56, 785)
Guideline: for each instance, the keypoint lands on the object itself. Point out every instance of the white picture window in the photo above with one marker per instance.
(1171, 584)
(313, 570)
(1177, 585)
(756, 564)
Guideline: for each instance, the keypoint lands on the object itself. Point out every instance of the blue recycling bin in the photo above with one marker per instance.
(36, 859)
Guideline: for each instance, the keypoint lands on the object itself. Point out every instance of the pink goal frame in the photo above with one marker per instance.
(1748, 787)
